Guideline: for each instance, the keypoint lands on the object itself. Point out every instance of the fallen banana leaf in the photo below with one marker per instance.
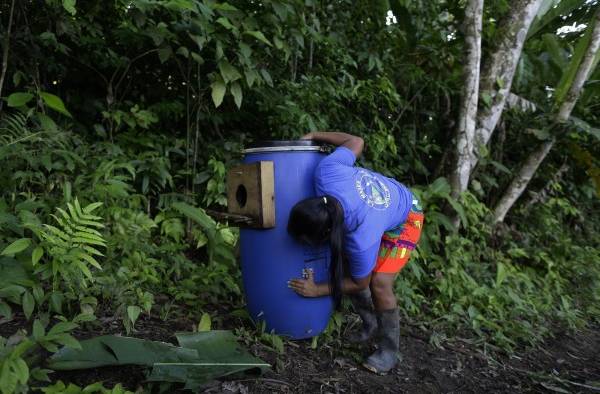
(113, 350)
(202, 357)
(215, 346)
(219, 355)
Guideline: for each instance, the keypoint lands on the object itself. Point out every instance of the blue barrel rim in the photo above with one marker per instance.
(283, 143)
(286, 146)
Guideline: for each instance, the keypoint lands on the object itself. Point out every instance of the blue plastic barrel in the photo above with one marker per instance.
(270, 257)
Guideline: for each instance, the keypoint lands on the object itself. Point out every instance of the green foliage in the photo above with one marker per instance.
(94, 388)
(507, 294)
(569, 76)
(71, 246)
(136, 110)
(18, 363)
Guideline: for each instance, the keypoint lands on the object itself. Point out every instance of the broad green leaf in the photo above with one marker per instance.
(41, 374)
(228, 72)
(61, 327)
(205, 323)
(585, 126)
(55, 103)
(56, 301)
(5, 310)
(181, 5)
(28, 303)
(18, 246)
(278, 42)
(218, 355)
(205, 10)
(459, 210)
(183, 51)
(251, 76)
(69, 5)
(280, 10)
(224, 7)
(164, 54)
(236, 91)
(38, 330)
(540, 134)
(19, 99)
(12, 292)
(202, 357)
(266, 76)
(68, 340)
(197, 215)
(117, 350)
(259, 36)
(487, 98)
(225, 23)
(36, 255)
(440, 218)
(500, 274)
(21, 370)
(217, 92)
(46, 122)
(439, 187)
(133, 312)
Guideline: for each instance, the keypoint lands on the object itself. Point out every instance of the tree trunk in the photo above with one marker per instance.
(468, 109)
(5, 48)
(520, 182)
(499, 69)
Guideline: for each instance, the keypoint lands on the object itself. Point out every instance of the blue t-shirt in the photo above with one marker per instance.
(372, 205)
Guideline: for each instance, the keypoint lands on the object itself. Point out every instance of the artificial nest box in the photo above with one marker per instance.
(251, 193)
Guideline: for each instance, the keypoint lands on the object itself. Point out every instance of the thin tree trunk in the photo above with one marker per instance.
(188, 134)
(499, 70)
(6, 47)
(520, 182)
(468, 109)
(532, 163)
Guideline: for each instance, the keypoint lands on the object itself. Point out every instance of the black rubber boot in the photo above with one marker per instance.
(363, 305)
(387, 354)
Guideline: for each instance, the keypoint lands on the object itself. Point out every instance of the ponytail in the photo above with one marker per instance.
(336, 243)
(315, 221)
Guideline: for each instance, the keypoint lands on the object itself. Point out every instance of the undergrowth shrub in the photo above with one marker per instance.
(505, 286)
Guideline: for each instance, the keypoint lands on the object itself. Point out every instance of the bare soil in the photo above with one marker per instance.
(567, 363)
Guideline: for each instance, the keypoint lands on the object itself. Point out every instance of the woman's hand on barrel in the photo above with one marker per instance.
(308, 136)
(305, 287)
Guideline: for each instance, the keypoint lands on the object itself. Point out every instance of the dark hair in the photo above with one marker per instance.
(316, 221)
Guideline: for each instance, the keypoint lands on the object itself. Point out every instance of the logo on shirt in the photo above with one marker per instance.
(372, 191)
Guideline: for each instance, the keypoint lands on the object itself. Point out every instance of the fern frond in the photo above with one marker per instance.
(73, 242)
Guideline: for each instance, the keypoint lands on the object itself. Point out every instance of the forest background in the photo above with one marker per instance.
(119, 120)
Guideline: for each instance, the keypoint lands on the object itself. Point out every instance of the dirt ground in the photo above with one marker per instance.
(567, 363)
(570, 362)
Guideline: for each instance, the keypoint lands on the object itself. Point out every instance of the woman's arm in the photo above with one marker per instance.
(308, 288)
(352, 142)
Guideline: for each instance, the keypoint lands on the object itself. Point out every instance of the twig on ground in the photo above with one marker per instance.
(555, 378)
